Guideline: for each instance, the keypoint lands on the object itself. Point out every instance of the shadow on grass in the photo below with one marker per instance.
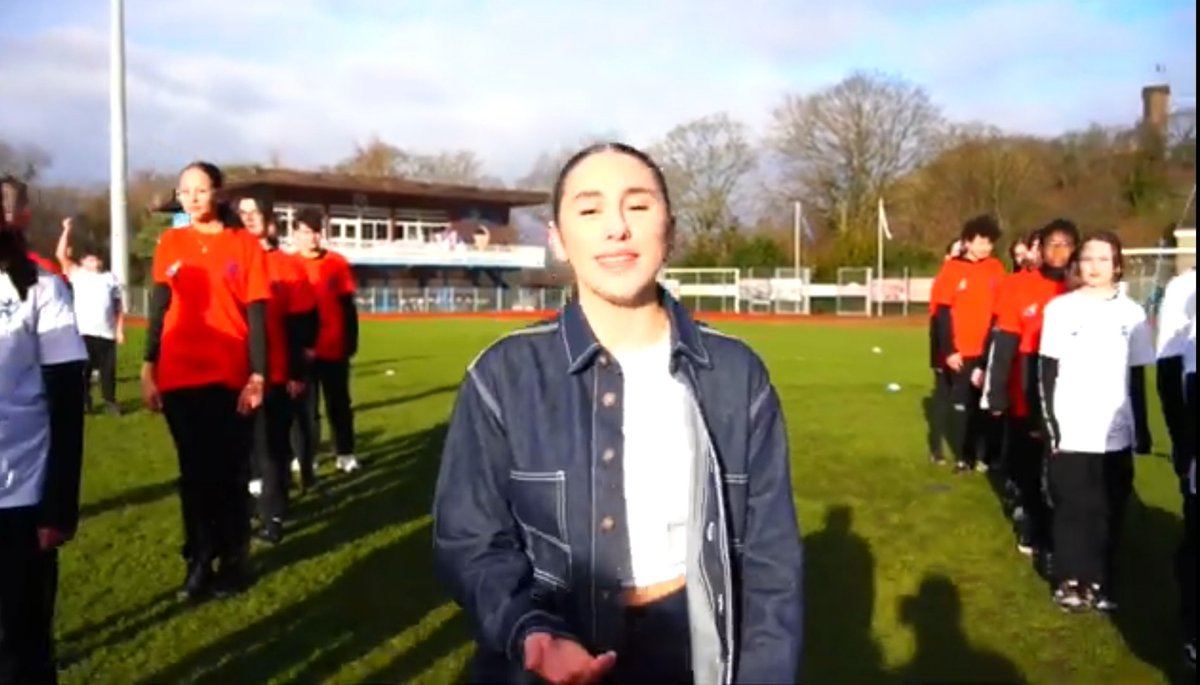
(405, 399)
(943, 654)
(1148, 618)
(839, 590)
(383, 594)
(143, 494)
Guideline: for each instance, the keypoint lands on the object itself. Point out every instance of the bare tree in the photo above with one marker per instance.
(706, 162)
(379, 158)
(25, 162)
(843, 146)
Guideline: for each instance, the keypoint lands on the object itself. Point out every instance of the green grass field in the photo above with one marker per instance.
(912, 575)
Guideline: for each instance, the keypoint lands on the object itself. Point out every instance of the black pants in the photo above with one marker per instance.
(1185, 567)
(28, 588)
(213, 443)
(656, 646)
(975, 433)
(102, 357)
(273, 451)
(1090, 493)
(332, 380)
(1027, 466)
(940, 400)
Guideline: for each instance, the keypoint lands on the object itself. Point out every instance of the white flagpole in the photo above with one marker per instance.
(796, 236)
(879, 259)
(118, 211)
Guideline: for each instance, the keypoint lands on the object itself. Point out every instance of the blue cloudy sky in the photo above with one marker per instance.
(235, 80)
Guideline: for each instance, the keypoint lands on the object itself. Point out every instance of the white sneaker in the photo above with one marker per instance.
(256, 487)
(348, 463)
(295, 466)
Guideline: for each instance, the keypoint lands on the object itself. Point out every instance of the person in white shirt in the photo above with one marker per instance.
(1175, 316)
(1096, 343)
(41, 451)
(99, 315)
(1186, 558)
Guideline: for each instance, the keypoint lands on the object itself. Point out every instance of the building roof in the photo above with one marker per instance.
(334, 188)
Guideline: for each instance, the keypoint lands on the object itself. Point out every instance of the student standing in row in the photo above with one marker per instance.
(41, 451)
(1095, 346)
(291, 334)
(615, 494)
(205, 368)
(940, 398)
(1175, 317)
(1186, 558)
(1012, 388)
(337, 337)
(98, 311)
(965, 309)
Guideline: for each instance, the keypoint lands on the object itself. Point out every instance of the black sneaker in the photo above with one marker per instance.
(271, 532)
(1101, 600)
(232, 578)
(1070, 597)
(199, 582)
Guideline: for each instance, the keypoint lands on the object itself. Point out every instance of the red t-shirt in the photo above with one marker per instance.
(970, 292)
(290, 294)
(212, 277)
(1019, 310)
(331, 279)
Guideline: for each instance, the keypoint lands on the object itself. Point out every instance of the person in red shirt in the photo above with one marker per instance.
(965, 308)
(938, 404)
(291, 335)
(204, 369)
(1011, 387)
(337, 334)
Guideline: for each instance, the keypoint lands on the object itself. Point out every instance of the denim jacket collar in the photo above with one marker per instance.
(583, 348)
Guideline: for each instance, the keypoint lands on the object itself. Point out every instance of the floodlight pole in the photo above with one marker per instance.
(118, 168)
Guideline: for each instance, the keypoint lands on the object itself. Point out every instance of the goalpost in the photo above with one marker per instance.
(704, 290)
(1149, 269)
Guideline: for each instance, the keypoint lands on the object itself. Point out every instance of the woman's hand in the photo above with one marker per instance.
(252, 395)
(150, 395)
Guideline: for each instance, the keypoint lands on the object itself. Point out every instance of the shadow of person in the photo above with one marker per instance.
(943, 653)
(1146, 587)
(384, 602)
(839, 590)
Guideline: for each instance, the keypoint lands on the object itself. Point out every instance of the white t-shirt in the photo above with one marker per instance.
(1176, 314)
(658, 464)
(97, 298)
(37, 331)
(1096, 341)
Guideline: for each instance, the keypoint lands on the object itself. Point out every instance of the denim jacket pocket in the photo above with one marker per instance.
(737, 486)
(539, 501)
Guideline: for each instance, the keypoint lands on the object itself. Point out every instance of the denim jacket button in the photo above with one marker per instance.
(607, 523)
(608, 399)
(609, 455)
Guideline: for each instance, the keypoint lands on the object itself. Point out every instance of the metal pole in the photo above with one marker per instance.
(796, 238)
(879, 266)
(118, 201)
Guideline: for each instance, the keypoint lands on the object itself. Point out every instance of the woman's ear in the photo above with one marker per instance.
(554, 240)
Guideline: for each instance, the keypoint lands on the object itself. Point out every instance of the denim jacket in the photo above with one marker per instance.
(529, 511)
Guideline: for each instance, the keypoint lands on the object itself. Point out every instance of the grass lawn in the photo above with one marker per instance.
(912, 573)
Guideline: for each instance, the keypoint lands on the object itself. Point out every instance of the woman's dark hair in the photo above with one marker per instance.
(265, 207)
(660, 179)
(312, 218)
(1063, 227)
(212, 171)
(1107, 237)
(982, 226)
(14, 251)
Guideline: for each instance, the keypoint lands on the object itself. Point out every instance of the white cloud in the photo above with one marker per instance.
(233, 79)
